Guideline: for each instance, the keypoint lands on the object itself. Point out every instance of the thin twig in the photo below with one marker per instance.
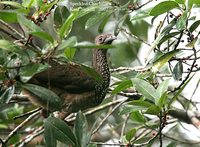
(30, 137)
(21, 125)
(27, 113)
(12, 29)
(101, 123)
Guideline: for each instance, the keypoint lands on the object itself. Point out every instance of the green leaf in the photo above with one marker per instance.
(130, 134)
(194, 26)
(60, 15)
(162, 88)
(7, 95)
(154, 110)
(49, 135)
(43, 35)
(97, 17)
(43, 97)
(27, 72)
(165, 31)
(192, 43)
(70, 42)
(93, 46)
(92, 145)
(92, 73)
(32, 27)
(146, 89)
(14, 4)
(8, 16)
(136, 116)
(57, 129)
(70, 52)
(179, 91)
(140, 15)
(178, 71)
(135, 105)
(163, 7)
(88, 10)
(181, 22)
(193, 2)
(81, 130)
(67, 26)
(122, 86)
(28, 3)
(180, 1)
(141, 103)
(167, 37)
(130, 108)
(172, 144)
(162, 61)
(169, 27)
(162, 100)
(9, 46)
(6, 45)
(103, 23)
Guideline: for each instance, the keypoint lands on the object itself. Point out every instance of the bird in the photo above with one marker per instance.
(77, 89)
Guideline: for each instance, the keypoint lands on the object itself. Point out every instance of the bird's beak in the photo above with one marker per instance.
(110, 39)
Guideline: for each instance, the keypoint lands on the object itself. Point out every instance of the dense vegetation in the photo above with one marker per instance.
(152, 61)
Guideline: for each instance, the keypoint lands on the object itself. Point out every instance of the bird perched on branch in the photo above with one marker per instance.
(77, 89)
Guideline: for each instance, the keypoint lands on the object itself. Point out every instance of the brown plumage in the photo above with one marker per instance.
(73, 85)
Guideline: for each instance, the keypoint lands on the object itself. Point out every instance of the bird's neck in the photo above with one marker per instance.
(100, 64)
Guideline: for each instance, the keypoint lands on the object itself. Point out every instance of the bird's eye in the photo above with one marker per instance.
(100, 39)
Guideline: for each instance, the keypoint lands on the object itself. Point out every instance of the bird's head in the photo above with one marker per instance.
(105, 39)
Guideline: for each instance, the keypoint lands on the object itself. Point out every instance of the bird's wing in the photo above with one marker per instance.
(70, 77)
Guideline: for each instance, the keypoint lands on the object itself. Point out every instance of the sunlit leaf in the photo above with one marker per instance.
(180, 1)
(193, 2)
(146, 89)
(140, 15)
(162, 87)
(136, 116)
(163, 7)
(154, 110)
(162, 61)
(181, 22)
(43, 35)
(130, 108)
(162, 101)
(130, 134)
(70, 52)
(8, 16)
(122, 86)
(9, 46)
(67, 26)
(14, 4)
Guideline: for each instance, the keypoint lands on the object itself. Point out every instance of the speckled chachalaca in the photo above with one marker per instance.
(77, 89)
